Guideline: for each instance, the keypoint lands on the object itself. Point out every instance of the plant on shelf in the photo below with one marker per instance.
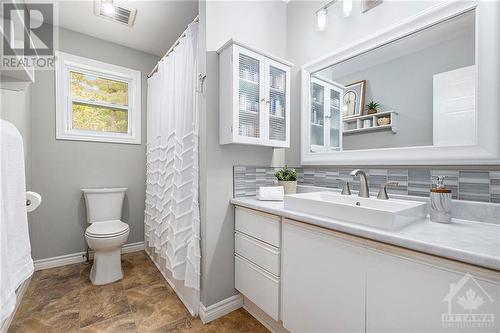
(288, 179)
(372, 107)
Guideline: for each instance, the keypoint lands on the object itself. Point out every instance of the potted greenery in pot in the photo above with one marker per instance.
(372, 107)
(288, 179)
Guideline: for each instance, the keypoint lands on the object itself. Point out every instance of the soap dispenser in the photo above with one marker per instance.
(440, 204)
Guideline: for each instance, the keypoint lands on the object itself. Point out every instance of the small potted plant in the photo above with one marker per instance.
(288, 179)
(372, 107)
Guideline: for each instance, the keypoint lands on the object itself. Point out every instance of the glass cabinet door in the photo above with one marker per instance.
(335, 131)
(325, 122)
(249, 96)
(317, 116)
(277, 104)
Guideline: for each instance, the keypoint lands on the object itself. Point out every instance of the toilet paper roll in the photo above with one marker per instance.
(33, 200)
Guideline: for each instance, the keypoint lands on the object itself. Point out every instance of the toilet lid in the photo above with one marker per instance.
(107, 228)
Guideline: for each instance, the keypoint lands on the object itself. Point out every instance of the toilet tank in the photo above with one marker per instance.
(104, 204)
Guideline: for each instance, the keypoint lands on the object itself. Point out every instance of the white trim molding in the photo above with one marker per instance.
(487, 147)
(65, 63)
(75, 258)
(222, 308)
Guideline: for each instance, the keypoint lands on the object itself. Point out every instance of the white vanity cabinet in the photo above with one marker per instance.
(311, 279)
(333, 282)
(408, 294)
(257, 259)
(254, 97)
(325, 121)
(323, 283)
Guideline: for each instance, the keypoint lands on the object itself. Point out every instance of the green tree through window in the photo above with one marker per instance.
(111, 115)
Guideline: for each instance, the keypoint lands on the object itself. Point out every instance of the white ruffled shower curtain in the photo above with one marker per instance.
(172, 219)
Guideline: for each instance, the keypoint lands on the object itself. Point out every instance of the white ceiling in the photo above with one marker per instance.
(157, 25)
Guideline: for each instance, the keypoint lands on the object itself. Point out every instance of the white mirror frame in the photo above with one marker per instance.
(487, 148)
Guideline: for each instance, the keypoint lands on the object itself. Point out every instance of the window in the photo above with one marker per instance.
(97, 101)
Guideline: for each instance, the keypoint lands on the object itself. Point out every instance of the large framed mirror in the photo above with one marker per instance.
(424, 91)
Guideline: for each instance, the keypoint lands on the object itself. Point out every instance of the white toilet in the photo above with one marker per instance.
(106, 233)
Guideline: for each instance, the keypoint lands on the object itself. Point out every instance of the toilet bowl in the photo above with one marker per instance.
(106, 234)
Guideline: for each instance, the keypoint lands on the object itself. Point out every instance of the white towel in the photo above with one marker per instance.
(16, 264)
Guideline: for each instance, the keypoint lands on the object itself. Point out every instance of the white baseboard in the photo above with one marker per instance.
(217, 310)
(75, 258)
(272, 325)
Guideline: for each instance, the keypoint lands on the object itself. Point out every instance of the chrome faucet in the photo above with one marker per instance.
(363, 183)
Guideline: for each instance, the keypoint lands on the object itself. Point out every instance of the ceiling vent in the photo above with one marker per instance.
(120, 14)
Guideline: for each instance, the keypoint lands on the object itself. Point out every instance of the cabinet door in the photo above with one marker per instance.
(278, 104)
(325, 117)
(250, 90)
(317, 116)
(323, 282)
(334, 122)
(405, 295)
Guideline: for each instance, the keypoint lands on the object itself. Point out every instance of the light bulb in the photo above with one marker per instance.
(321, 16)
(108, 8)
(347, 7)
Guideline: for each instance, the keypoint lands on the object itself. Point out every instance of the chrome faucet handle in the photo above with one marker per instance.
(346, 189)
(382, 193)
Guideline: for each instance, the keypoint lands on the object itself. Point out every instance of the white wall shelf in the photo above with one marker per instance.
(254, 97)
(354, 125)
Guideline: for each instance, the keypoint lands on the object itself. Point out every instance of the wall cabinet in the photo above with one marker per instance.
(325, 121)
(19, 77)
(254, 97)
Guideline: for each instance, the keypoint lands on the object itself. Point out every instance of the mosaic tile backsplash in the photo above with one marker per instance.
(473, 185)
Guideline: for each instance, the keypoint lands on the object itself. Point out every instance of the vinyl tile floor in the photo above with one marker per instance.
(64, 300)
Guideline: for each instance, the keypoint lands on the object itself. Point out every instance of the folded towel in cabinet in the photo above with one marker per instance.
(271, 193)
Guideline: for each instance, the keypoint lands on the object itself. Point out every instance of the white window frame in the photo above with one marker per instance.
(65, 63)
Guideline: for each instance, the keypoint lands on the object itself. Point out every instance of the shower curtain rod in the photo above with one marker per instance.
(155, 69)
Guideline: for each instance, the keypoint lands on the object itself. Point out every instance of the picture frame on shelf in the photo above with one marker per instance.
(354, 99)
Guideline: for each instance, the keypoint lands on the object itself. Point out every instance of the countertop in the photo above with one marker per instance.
(476, 243)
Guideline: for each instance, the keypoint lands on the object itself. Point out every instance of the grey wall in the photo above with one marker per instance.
(305, 43)
(15, 107)
(405, 85)
(61, 168)
(261, 24)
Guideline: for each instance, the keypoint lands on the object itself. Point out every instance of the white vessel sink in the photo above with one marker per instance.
(389, 214)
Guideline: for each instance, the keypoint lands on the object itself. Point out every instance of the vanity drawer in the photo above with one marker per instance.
(259, 253)
(257, 285)
(264, 227)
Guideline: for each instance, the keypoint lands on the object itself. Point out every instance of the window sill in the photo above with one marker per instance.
(98, 138)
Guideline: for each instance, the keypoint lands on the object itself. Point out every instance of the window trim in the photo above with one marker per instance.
(65, 63)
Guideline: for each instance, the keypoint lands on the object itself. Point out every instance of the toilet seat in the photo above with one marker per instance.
(107, 229)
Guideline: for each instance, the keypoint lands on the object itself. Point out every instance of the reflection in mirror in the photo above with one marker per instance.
(416, 91)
